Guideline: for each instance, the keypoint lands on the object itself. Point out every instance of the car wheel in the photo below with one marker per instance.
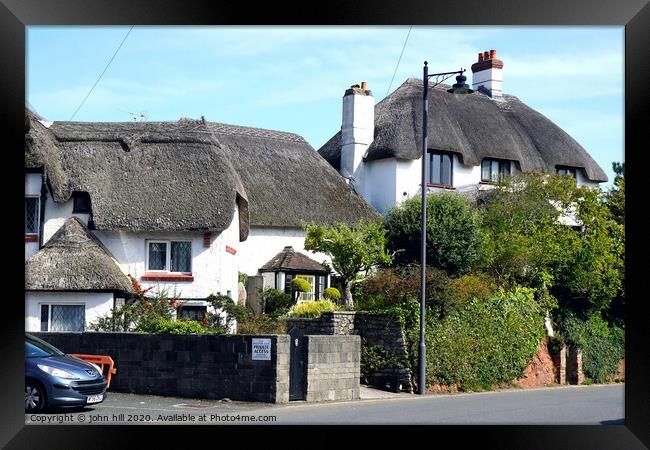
(34, 397)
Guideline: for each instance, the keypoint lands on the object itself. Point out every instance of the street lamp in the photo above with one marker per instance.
(459, 88)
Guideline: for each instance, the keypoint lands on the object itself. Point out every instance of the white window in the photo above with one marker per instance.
(169, 256)
(311, 295)
(63, 317)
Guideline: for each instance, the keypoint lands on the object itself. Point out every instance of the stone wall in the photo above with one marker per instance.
(381, 330)
(197, 366)
(374, 330)
(333, 367)
(574, 372)
(329, 323)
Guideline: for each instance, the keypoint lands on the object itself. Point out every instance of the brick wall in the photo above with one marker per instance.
(333, 367)
(198, 366)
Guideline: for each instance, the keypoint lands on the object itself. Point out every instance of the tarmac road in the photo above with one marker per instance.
(569, 405)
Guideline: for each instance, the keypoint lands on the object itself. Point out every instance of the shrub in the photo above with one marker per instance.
(227, 312)
(263, 324)
(376, 357)
(333, 294)
(443, 294)
(485, 342)
(276, 302)
(602, 344)
(166, 326)
(300, 285)
(453, 238)
(312, 309)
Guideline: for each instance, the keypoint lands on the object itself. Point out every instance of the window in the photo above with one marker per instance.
(31, 215)
(311, 295)
(63, 317)
(169, 256)
(81, 203)
(494, 170)
(320, 288)
(192, 312)
(440, 168)
(564, 170)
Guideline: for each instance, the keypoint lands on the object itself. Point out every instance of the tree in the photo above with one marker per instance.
(354, 251)
(528, 241)
(615, 200)
(453, 238)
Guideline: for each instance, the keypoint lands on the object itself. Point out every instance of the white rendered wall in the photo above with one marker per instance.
(98, 304)
(56, 214)
(581, 180)
(264, 243)
(214, 269)
(379, 183)
(33, 183)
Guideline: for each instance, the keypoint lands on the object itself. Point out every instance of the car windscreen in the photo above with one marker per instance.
(40, 349)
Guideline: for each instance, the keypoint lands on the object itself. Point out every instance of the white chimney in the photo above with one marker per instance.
(488, 75)
(357, 130)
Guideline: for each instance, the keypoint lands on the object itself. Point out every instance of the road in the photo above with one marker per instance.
(570, 405)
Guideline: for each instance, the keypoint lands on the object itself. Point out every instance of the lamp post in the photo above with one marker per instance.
(459, 88)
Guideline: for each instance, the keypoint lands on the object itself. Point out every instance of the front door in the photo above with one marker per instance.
(297, 365)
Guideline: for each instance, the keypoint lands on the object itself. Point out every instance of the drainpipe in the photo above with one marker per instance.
(41, 211)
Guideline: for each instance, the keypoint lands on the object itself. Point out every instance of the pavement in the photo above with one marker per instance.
(566, 405)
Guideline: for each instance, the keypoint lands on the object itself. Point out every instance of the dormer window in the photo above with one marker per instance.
(81, 203)
(494, 170)
(566, 170)
(440, 169)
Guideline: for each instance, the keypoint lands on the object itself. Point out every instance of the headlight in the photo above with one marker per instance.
(60, 373)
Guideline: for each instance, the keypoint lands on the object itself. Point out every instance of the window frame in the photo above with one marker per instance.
(569, 169)
(49, 315)
(168, 255)
(37, 219)
(498, 174)
(312, 280)
(440, 153)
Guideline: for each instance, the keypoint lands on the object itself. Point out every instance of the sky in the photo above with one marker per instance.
(293, 78)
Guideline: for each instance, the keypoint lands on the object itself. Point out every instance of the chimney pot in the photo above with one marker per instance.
(364, 85)
(486, 55)
(480, 57)
(493, 54)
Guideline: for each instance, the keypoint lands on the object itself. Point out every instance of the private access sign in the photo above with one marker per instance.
(261, 349)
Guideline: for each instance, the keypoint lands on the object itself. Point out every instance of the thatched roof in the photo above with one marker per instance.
(473, 126)
(287, 181)
(186, 175)
(289, 260)
(74, 260)
(169, 176)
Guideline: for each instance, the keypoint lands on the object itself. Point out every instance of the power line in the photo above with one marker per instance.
(400, 58)
(102, 74)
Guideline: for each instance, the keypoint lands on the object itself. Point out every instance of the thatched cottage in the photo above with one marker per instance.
(182, 206)
(472, 139)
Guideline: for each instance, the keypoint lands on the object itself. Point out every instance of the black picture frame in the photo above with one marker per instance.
(15, 15)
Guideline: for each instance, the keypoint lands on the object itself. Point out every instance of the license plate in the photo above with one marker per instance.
(95, 398)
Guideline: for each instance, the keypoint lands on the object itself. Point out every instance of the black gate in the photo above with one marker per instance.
(297, 365)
